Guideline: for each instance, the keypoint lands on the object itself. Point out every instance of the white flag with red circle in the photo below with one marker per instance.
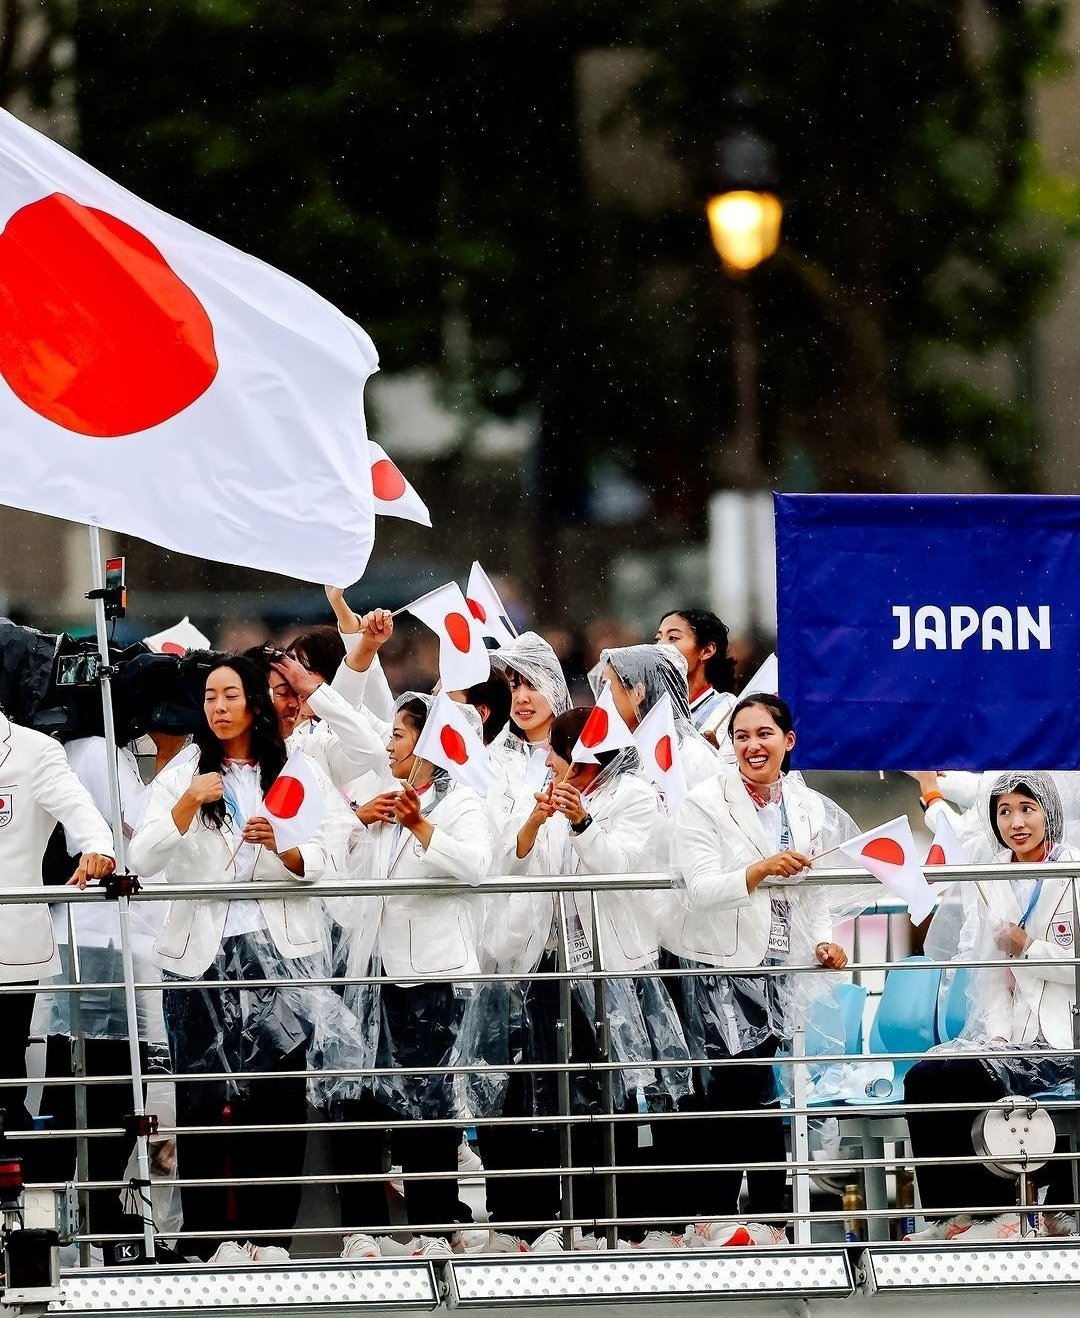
(946, 849)
(158, 382)
(393, 495)
(765, 682)
(178, 639)
(661, 759)
(451, 742)
(294, 803)
(463, 658)
(889, 854)
(604, 730)
(487, 608)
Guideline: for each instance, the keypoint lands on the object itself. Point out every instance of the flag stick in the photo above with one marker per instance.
(419, 599)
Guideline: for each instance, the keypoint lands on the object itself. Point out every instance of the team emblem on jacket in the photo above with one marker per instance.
(5, 807)
(1063, 933)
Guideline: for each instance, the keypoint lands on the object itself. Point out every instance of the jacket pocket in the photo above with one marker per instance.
(29, 941)
(175, 937)
(439, 946)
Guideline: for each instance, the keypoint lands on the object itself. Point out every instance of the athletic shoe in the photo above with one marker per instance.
(395, 1183)
(766, 1233)
(548, 1242)
(230, 1253)
(588, 1244)
(267, 1253)
(1006, 1226)
(658, 1240)
(716, 1235)
(468, 1162)
(431, 1247)
(501, 1242)
(390, 1248)
(943, 1228)
(361, 1246)
(1057, 1225)
(470, 1240)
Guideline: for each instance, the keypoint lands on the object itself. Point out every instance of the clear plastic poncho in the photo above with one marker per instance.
(530, 656)
(1001, 1003)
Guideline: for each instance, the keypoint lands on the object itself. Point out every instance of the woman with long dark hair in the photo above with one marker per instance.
(205, 824)
(702, 640)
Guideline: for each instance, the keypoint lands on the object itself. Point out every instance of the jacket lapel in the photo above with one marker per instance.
(744, 814)
(5, 739)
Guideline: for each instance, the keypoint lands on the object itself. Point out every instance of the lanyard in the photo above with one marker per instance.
(1031, 904)
(785, 827)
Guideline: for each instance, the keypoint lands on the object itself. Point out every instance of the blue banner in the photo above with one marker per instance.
(930, 631)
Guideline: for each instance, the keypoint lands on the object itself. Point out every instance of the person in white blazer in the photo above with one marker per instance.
(204, 824)
(597, 818)
(749, 824)
(439, 831)
(37, 790)
(1019, 1005)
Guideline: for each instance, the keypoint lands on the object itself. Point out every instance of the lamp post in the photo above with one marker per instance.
(745, 212)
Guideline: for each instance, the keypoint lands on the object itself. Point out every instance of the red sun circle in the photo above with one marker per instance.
(1061, 928)
(2, 804)
(477, 610)
(663, 753)
(453, 743)
(171, 647)
(884, 848)
(285, 797)
(595, 729)
(387, 483)
(459, 631)
(936, 855)
(98, 333)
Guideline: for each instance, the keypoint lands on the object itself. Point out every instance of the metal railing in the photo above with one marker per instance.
(816, 1216)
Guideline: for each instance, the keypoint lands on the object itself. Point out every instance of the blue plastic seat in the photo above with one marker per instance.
(835, 1026)
(953, 1003)
(906, 1019)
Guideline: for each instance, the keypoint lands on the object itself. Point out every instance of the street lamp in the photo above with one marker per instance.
(744, 210)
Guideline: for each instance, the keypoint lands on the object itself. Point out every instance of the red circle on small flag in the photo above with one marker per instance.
(884, 848)
(171, 647)
(387, 483)
(477, 610)
(459, 631)
(98, 333)
(453, 743)
(936, 856)
(663, 753)
(595, 729)
(285, 797)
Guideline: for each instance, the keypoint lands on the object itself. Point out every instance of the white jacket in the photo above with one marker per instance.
(717, 836)
(343, 743)
(620, 840)
(1042, 999)
(37, 790)
(193, 929)
(433, 934)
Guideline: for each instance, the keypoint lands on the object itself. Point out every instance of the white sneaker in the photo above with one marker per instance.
(548, 1242)
(658, 1240)
(231, 1253)
(390, 1248)
(1057, 1226)
(396, 1184)
(501, 1242)
(1006, 1226)
(470, 1240)
(716, 1235)
(945, 1228)
(767, 1233)
(590, 1244)
(267, 1253)
(468, 1162)
(361, 1246)
(431, 1247)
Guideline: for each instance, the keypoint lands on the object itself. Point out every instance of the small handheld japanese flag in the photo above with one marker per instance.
(294, 805)
(140, 358)
(487, 608)
(888, 853)
(463, 660)
(181, 638)
(658, 745)
(766, 681)
(946, 849)
(604, 730)
(451, 742)
(393, 495)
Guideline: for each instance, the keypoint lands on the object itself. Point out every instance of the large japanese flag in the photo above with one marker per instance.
(888, 853)
(450, 741)
(295, 805)
(463, 660)
(156, 381)
(394, 496)
(604, 730)
(661, 760)
(487, 608)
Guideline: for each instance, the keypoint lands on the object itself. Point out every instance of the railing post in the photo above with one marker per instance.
(564, 1050)
(603, 1042)
(800, 1137)
(78, 1069)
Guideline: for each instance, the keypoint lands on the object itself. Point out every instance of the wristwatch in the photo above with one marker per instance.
(580, 828)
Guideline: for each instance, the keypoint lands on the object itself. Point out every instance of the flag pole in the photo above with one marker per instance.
(142, 1149)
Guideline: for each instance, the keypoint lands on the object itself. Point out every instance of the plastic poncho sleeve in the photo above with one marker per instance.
(709, 886)
(960, 788)
(58, 791)
(356, 746)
